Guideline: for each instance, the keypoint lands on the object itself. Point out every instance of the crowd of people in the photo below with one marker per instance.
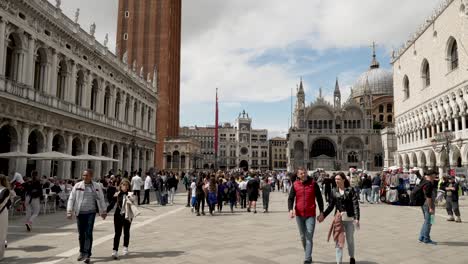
(307, 193)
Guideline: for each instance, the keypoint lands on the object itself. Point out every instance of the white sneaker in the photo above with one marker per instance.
(115, 255)
(125, 251)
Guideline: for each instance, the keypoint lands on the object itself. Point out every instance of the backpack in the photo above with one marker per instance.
(417, 197)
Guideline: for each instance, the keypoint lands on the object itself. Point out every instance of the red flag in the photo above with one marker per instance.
(216, 127)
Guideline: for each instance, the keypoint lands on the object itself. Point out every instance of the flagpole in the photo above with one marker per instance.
(216, 133)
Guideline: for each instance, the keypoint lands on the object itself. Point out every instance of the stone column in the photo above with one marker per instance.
(449, 124)
(47, 164)
(438, 128)
(84, 164)
(72, 84)
(136, 161)
(143, 159)
(67, 164)
(129, 160)
(2, 45)
(53, 75)
(121, 156)
(100, 97)
(164, 162)
(456, 124)
(130, 112)
(463, 122)
(29, 80)
(21, 163)
(112, 101)
(97, 171)
(187, 162)
(123, 100)
(86, 93)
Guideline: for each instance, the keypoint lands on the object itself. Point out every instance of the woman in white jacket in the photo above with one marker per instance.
(124, 213)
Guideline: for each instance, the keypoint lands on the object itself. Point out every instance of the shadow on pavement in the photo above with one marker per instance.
(32, 248)
(357, 261)
(18, 260)
(453, 244)
(139, 255)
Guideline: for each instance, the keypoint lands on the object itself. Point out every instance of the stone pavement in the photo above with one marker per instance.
(172, 234)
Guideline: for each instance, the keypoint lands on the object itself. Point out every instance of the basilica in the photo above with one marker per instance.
(341, 135)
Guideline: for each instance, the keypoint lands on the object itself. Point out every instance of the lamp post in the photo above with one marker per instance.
(444, 138)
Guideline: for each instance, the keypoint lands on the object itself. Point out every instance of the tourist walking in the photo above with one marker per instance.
(428, 208)
(303, 199)
(327, 185)
(137, 183)
(86, 199)
(451, 188)
(147, 187)
(376, 182)
(125, 212)
(5, 203)
(233, 189)
(253, 187)
(34, 195)
(366, 185)
(211, 194)
(222, 193)
(345, 201)
(200, 192)
(171, 187)
(266, 189)
(243, 192)
(193, 191)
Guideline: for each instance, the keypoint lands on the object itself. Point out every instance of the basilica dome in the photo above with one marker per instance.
(380, 81)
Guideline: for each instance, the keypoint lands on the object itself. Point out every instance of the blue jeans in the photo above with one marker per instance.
(85, 229)
(349, 231)
(425, 235)
(375, 194)
(306, 227)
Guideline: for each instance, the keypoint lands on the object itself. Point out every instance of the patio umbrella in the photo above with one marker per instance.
(14, 155)
(51, 155)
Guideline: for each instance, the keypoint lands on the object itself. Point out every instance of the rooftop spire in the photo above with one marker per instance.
(374, 64)
(301, 87)
(337, 87)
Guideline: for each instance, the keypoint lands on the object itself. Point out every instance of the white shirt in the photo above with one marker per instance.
(193, 186)
(148, 182)
(137, 182)
(243, 185)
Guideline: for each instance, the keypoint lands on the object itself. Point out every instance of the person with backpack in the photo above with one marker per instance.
(34, 195)
(200, 194)
(222, 193)
(424, 195)
(211, 194)
(451, 188)
(233, 189)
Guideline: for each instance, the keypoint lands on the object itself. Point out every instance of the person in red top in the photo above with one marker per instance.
(302, 205)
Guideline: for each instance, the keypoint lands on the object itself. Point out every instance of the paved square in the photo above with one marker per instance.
(172, 234)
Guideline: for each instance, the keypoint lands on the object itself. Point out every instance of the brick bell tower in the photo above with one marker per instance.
(148, 35)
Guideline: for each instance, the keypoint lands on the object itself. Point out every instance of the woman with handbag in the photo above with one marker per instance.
(124, 213)
(345, 200)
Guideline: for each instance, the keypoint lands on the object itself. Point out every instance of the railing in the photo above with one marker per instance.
(26, 92)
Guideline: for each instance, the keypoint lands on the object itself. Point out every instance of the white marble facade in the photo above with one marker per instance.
(431, 91)
(61, 90)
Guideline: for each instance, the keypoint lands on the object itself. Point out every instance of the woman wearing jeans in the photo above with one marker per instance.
(345, 201)
(123, 216)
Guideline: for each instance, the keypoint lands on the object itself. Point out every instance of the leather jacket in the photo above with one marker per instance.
(348, 202)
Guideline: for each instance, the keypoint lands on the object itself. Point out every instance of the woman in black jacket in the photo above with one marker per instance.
(345, 201)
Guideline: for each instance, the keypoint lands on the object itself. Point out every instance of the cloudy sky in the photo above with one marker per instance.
(256, 51)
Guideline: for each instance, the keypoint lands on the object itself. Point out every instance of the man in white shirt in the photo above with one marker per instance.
(137, 182)
(243, 192)
(148, 183)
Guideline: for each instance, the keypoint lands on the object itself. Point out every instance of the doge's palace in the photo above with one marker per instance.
(61, 90)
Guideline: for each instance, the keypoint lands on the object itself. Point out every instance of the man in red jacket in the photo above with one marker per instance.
(304, 192)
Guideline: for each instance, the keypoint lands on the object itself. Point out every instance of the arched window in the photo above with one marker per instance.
(117, 107)
(106, 101)
(61, 79)
(79, 87)
(426, 74)
(94, 91)
(12, 58)
(135, 110)
(127, 110)
(452, 54)
(381, 108)
(381, 118)
(378, 160)
(352, 157)
(149, 120)
(40, 64)
(389, 108)
(406, 87)
(389, 119)
(142, 119)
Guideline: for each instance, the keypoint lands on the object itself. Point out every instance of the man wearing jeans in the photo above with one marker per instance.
(86, 199)
(428, 208)
(376, 181)
(301, 204)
